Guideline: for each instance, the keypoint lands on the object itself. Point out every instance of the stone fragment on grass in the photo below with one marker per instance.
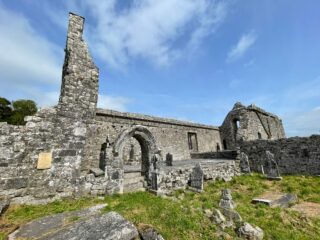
(4, 204)
(217, 217)
(147, 232)
(249, 232)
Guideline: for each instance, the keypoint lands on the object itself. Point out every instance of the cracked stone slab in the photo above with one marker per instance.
(41, 227)
(283, 200)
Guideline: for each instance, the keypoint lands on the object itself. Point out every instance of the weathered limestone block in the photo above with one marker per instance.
(96, 172)
(217, 217)
(147, 232)
(249, 232)
(4, 205)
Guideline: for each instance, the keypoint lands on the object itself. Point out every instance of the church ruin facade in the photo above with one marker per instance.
(75, 149)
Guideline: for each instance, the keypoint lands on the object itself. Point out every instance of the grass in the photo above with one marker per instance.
(182, 216)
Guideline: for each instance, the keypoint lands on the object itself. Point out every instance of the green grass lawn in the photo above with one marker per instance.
(182, 216)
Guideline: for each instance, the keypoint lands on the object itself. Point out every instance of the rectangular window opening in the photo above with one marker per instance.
(192, 141)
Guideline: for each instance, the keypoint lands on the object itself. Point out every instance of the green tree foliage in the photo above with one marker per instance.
(5, 109)
(15, 113)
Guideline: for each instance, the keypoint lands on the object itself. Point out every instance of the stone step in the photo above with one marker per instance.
(128, 175)
(133, 180)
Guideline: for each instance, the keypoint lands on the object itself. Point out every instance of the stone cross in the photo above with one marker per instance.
(272, 169)
(197, 175)
(244, 163)
(169, 159)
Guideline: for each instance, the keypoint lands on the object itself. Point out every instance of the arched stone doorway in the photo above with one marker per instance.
(148, 148)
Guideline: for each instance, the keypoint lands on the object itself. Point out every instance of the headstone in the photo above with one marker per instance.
(244, 163)
(44, 160)
(272, 169)
(169, 159)
(154, 181)
(197, 175)
(226, 199)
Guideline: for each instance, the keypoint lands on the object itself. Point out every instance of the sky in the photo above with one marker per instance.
(184, 59)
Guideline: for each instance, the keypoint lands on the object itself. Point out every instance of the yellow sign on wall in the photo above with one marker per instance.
(44, 160)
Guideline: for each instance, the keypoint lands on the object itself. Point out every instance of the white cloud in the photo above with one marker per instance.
(149, 29)
(30, 64)
(243, 45)
(25, 54)
(303, 123)
(113, 102)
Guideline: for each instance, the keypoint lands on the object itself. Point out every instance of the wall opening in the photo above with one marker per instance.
(132, 152)
(225, 147)
(259, 135)
(218, 147)
(192, 141)
(236, 126)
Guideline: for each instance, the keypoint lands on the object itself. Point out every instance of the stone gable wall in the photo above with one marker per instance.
(252, 122)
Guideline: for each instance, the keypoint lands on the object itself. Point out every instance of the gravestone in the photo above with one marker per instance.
(154, 181)
(244, 163)
(272, 169)
(169, 159)
(196, 179)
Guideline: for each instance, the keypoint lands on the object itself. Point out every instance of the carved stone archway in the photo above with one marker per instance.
(148, 150)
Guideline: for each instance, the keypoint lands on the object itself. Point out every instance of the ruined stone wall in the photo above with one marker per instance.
(58, 132)
(171, 135)
(177, 177)
(249, 123)
(298, 155)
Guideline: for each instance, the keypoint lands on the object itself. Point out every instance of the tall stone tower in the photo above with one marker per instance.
(80, 76)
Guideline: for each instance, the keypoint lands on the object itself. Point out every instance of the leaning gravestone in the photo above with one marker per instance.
(272, 169)
(244, 163)
(169, 159)
(196, 179)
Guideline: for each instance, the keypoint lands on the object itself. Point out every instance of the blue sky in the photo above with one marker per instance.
(184, 59)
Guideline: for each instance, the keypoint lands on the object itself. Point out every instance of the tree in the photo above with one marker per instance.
(22, 108)
(14, 113)
(5, 109)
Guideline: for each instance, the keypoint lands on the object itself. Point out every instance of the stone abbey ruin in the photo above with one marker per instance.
(76, 149)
